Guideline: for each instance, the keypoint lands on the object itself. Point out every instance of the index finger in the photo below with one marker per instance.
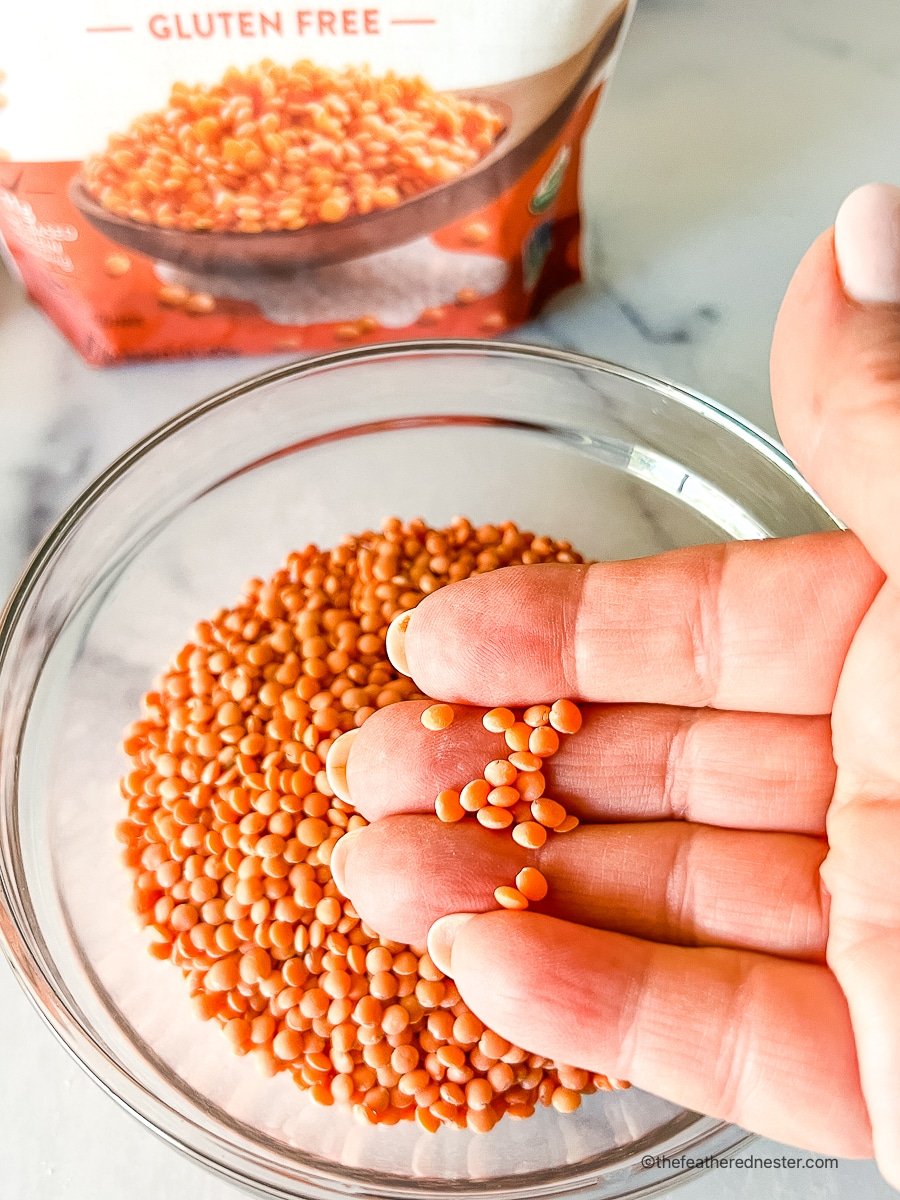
(755, 626)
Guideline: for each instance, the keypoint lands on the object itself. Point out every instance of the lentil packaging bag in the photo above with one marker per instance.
(280, 177)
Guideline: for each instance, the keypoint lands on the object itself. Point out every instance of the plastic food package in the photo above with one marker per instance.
(286, 177)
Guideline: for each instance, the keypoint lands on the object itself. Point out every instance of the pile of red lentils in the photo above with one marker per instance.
(273, 147)
(232, 823)
(510, 793)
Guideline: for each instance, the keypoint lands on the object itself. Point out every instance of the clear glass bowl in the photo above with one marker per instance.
(621, 464)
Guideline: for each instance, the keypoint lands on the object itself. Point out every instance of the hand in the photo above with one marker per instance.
(724, 928)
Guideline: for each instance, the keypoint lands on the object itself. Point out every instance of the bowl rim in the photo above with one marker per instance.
(701, 404)
(714, 1136)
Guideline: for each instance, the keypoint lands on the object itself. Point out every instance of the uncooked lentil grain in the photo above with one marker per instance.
(510, 897)
(448, 807)
(536, 714)
(532, 884)
(530, 834)
(498, 720)
(565, 717)
(438, 716)
(116, 265)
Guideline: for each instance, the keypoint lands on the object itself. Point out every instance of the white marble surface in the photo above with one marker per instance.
(729, 137)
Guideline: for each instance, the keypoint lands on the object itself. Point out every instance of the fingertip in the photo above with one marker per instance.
(441, 936)
(867, 244)
(495, 638)
(835, 371)
(339, 856)
(505, 965)
(399, 766)
(395, 641)
(336, 764)
(404, 872)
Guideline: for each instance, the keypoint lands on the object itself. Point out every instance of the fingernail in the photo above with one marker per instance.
(339, 857)
(336, 764)
(441, 937)
(395, 641)
(867, 244)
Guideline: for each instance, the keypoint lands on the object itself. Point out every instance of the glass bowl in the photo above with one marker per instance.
(621, 464)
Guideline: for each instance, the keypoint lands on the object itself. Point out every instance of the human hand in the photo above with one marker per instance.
(724, 927)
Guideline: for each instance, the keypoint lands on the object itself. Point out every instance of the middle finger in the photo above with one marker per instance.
(629, 762)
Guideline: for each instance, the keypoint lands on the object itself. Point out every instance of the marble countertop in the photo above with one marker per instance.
(730, 135)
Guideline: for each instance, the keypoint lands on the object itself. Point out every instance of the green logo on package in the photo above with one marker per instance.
(534, 254)
(551, 181)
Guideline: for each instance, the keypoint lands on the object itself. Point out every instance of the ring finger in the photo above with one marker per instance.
(664, 881)
(629, 762)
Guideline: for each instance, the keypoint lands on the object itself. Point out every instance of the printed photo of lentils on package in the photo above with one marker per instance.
(294, 178)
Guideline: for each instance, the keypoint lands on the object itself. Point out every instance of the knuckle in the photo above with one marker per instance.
(732, 1080)
(678, 756)
(704, 627)
(678, 902)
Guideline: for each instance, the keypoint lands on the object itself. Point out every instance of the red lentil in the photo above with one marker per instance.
(517, 736)
(117, 265)
(543, 742)
(438, 716)
(530, 834)
(530, 785)
(510, 897)
(537, 714)
(432, 316)
(274, 147)
(474, 795)
(524, 760)
(531, 883)
(494, 818)
(503, 797)
(565, 717)
(200, 303)
(494, 322)
(231, 874)
(564, 1100)
(476, 233)
(501, 771)
(498, 720)
(548, 812)
(448, 807)
(173, 295)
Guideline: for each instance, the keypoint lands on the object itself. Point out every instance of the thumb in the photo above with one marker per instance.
(836, 368)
